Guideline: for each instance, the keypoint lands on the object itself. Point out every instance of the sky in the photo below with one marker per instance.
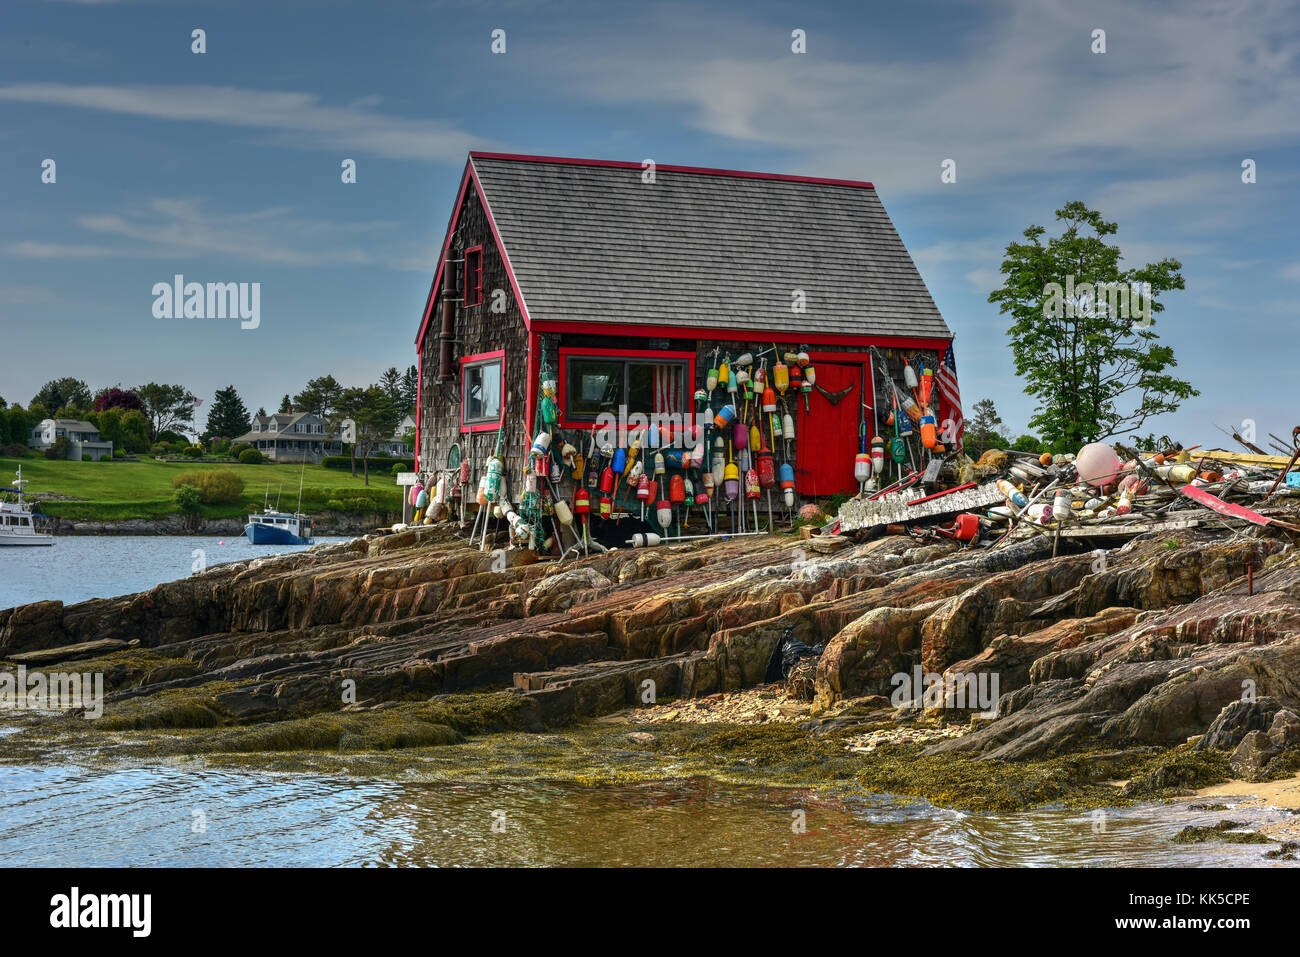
(225, 166)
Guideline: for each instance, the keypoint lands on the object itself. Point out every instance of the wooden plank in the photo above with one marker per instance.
(864, 513)
(1243, 458)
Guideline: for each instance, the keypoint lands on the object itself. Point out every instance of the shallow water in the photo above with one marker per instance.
(171, 815)
(78, 567)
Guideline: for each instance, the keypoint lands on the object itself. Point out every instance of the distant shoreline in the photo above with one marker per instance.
(327, 525)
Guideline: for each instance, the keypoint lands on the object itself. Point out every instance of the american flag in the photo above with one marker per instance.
(950, 396)
(667, 389)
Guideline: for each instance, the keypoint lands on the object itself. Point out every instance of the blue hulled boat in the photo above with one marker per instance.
(279, 528)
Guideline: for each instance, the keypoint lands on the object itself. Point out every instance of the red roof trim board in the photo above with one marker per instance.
(809, 337)
(501, 247)
(700, 170)
(442, 257)
(470, 175)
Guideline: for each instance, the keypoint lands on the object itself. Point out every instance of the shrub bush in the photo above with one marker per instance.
(14, 451)
(399, 467)
(192, 451)
(251, 457)
(378, 463)
(188, 499)
(237, 449)
(215, 486)
(60, 449)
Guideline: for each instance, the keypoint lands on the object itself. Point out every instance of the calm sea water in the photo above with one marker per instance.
(78, 567)
(78, 816)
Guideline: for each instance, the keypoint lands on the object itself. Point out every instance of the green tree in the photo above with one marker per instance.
(228, 416)
(983, 429)
(1082, 331)
(375, 417)
(166, 406)
(261, 412)
(109, 423)
(64, 393)
(285, 405)
(391, 383)
(320, 397)
(410, 389)
(135, 431)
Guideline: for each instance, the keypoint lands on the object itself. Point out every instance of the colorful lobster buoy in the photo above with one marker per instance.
(1011, 493)
(810, 375)
(731, 482)
(740, 436)
(928, 435)
(766, 469)
(664, 513)
(787, 484)
(877, 454)
(495, 468)
(751, 484)
(909, 375)
(726, 415)
(861, 467)
(607, 481)
(769, 399)
(780, 376)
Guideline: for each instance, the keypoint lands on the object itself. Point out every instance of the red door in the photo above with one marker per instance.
(827, 433)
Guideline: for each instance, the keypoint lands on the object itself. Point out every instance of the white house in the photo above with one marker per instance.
(83, 436)
(291, 437)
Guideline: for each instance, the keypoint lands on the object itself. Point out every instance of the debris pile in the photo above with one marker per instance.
(1104, 492)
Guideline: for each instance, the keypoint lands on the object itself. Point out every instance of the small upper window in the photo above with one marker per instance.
(474, 276)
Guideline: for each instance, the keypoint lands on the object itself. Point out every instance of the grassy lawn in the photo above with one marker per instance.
(121, 490)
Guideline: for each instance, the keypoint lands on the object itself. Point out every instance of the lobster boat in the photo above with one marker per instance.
(279, 528)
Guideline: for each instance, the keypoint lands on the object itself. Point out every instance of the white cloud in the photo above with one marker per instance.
(293, 119)
(182, 228)
(37, 250)
(1021, 96)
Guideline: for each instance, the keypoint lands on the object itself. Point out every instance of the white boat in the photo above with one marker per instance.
(16, 525)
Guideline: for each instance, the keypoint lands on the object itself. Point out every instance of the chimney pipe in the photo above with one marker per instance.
(451, 280)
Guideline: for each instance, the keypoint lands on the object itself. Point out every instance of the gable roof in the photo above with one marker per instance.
(588, 242)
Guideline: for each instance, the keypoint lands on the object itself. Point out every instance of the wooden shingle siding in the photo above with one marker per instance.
(478, 329)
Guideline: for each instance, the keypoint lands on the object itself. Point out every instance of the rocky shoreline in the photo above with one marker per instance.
(328, 524)
(1163, 669)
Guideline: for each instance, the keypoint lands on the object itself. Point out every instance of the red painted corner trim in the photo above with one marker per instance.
(532, 388)
(419, 399)
(699, 170)
(481, 357)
